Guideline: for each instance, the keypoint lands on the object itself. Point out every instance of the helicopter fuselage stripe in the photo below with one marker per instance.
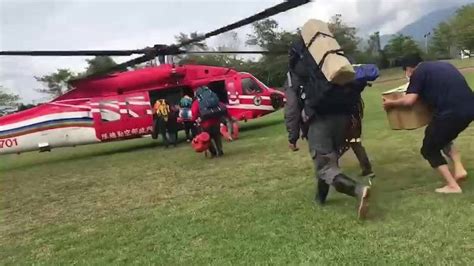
(251, 107)
(253, 96)
(45, 118)
(57, 123)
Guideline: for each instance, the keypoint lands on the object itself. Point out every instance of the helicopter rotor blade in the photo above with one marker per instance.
(282, 7)
(149, 53)
(236, 52)
(74, 53)
(174, 49)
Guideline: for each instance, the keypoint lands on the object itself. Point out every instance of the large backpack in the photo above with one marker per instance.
(162, 109)
(185, 102)
(314, 84)
(317, 94)
(209, 105)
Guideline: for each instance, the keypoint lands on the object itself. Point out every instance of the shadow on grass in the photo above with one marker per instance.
(260, 125)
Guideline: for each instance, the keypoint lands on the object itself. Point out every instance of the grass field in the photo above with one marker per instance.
(394, 73)
(136, 202)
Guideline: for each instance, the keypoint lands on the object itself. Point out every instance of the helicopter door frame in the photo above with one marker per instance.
(232, 88)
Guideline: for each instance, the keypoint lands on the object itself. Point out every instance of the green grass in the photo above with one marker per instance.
(136, 202)
(394, 73)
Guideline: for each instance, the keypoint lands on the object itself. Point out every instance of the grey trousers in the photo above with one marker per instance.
(326, 134)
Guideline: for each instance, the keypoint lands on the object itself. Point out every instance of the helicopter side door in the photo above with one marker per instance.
(122, 116)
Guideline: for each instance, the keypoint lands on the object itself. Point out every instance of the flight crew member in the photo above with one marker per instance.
(172, 124)
(186, 117)
(445, 90)
(354, 140)
(162, 111)
(211, 126)
(327, 124)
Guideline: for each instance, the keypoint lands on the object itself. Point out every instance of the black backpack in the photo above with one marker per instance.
(209, 105)
(314, 83)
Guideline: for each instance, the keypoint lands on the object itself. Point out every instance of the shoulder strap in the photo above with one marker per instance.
(316, 36)
(335, 51)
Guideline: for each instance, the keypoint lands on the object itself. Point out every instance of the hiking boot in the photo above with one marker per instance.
(346, 185)
(293, 147)
(323, 190)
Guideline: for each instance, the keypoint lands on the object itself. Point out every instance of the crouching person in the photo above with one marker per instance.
(444, 89)
(207, 111)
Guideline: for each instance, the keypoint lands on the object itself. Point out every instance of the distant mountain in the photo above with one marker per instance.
(423, 25)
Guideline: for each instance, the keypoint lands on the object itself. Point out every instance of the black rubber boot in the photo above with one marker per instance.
(346, 185)
(323, 190)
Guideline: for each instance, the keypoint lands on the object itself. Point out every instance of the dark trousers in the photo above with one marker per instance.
(216, 141)
(173, 137)
(439, 135)
(361, 155)
(161, 126)
(189, 129)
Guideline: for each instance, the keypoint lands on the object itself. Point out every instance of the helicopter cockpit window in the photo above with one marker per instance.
(250, 86)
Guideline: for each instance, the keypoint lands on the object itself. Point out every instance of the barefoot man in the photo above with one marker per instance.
(445, 90)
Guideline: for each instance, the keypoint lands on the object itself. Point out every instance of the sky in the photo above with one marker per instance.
(133, 24)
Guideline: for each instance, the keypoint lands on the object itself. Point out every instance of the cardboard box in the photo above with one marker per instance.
(336, 68)
(416, 116)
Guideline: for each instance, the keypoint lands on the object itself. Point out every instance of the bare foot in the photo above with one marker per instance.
(449, 190)
(460, 175)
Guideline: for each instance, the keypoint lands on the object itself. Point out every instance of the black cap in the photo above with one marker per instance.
(411, 60)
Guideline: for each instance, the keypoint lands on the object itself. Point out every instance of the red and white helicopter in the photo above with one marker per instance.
(118, 105)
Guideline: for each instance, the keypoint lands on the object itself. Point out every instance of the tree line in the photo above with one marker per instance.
(456, 34)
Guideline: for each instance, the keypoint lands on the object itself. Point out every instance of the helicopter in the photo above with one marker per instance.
(114, 104)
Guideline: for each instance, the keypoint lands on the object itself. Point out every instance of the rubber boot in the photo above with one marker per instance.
(346, 185)
(323, 190)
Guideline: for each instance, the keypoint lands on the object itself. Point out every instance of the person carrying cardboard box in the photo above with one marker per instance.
(444, 89)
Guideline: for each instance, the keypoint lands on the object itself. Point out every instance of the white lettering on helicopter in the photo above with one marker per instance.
(8, 143)
(126, 133)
